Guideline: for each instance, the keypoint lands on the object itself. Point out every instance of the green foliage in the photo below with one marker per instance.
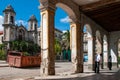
(57, 46)
(2, 46)
(66, 39)
(26, 54)
(24, 46)
(2, 55)
(118, 60)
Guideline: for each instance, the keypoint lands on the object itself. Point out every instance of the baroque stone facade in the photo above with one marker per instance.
(14, 32)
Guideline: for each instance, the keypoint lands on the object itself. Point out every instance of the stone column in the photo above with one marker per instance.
(47, 39)
(105, 54)
(102, 54)
(94, 52)
(76, 47)
(90, 53)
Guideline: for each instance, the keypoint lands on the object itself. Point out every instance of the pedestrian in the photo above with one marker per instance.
(97, 63)
(110, 62)
(101, 61)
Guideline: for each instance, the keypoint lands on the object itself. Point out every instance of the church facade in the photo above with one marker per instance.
(14, 32)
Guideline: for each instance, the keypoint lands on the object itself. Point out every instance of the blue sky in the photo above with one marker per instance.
(25, 8)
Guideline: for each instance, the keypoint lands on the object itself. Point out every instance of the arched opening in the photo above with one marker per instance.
(87, 47)
(21, 34)
(62, 23)
(105, 51)
(48, 41)
(98, 46)
(118, 55)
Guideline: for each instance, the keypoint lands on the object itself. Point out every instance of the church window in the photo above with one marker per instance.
(35, 26)
(21, 35)
(11, 19)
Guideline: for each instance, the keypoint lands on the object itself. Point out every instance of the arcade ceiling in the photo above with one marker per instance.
(104, 12)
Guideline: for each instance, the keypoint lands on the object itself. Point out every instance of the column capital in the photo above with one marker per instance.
(74, 20)
(47, 5)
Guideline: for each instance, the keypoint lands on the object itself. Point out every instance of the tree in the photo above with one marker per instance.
(66, 39)
(57, 46)
(25, 46)
(2, 46)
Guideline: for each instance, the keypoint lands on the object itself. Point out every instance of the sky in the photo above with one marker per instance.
(25, 8)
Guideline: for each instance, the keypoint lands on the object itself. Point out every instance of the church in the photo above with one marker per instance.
(14, 32)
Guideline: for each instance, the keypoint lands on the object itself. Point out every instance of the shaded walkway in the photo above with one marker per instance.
(63, 72)
(104, 74)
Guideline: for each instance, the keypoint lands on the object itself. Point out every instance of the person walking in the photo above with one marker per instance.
(97, 63)
(101, 61)
(110, 62)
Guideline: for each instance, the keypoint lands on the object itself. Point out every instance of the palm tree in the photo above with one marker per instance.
(66, 39)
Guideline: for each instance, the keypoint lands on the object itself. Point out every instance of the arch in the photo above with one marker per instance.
(89, 44)
(70, 7)
(72, 20)
(22, 27)
(89, 30)
(98, 43)
(105, 51)
(98, 35)
(21, 34)
(70, 12)
(48, 8)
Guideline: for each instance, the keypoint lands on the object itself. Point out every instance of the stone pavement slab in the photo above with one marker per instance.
(63, 72)
(3, 63)
(104, 74)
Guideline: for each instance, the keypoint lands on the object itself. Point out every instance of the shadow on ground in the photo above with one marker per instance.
(105, 75)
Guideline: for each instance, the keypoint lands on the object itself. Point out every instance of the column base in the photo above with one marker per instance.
(91, 66)
(77, 68)
(105, 65)
(46, 71)
(115, 64)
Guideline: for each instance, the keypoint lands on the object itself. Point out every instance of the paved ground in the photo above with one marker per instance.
(63, 72)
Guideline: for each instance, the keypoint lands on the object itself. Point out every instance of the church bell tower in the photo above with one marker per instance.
(33, 25)
(9, 23)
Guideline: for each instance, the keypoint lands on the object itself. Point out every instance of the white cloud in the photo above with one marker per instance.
(1, 22)
(65, 20)
(19, 22)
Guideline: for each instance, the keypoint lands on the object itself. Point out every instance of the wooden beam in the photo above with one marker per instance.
(97, 5)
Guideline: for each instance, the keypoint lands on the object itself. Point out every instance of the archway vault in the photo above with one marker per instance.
(98, 42)
(105, 51)
(69, 6)
(89, 44)
(48, 8)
